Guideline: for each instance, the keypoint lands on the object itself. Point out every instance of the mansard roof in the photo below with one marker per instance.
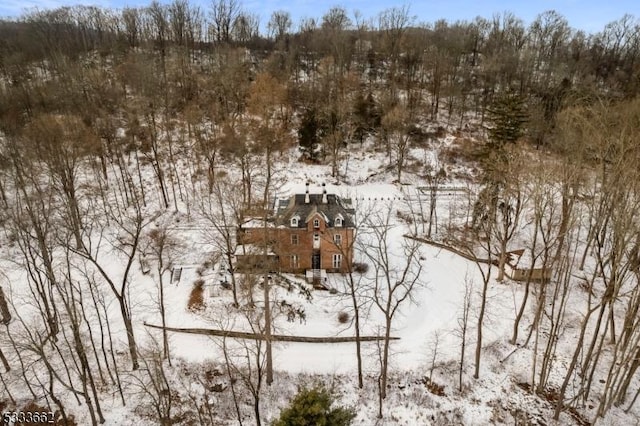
(296, 206)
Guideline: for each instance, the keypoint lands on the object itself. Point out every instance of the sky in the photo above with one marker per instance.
(588, 15)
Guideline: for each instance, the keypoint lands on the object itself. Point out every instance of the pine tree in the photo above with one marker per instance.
(367, 117)
(309, 133)
(312, 407)
(508, 117)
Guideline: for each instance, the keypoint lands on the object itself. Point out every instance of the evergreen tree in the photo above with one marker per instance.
(312, 407)
(366, 116)
(309, 133)
(507, 118)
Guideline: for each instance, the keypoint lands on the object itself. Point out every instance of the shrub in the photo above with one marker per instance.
(313, 407)
(405, 217)
(360, 268)
(433, 387)
(463, 149)
(196, 298)
(343, 317)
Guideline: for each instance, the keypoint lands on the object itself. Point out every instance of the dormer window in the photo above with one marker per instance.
(294, 222)
(316, 223)
(339, 221)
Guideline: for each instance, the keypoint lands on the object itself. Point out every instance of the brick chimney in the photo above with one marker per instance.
(306, 194)
(324, 194)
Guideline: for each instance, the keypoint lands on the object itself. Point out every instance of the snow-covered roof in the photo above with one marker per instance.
(296, 205)
(520, 258)
(256, 223)
(252, 249)
(315, 212)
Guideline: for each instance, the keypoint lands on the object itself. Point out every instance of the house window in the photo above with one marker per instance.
(295, 261)
(338, 221)
(337, 261)
(295, 240)
(294, 222)
(316, 223)
(337, 239)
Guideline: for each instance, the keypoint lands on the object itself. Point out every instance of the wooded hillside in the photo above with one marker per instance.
(123, 131)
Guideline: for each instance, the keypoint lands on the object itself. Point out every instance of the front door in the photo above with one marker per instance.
(315, 261)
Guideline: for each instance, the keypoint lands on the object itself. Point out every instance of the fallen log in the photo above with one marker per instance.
(468, 256)
(274, 337)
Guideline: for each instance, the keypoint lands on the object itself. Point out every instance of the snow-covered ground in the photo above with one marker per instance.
(428, 326)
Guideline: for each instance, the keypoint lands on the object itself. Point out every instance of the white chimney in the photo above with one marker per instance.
(306, 194)
(324, 194)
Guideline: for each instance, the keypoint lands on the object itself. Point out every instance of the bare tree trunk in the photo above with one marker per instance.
(6, 388)
(267, 331)
(128, 325)
(266, 295)
(231, 380)
(483, 303)
(464, 325)
(112, 350)
(356, 319)
(572, 365)
(165, 338)
(392, 285)
(5, 362)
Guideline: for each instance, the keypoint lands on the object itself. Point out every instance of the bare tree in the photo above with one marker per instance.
(62, 142)
(153, 384)
(246, 359)
(616, 230)
(246, 27)
(476, 242)
(5, 318)
(72, 300)
(223, 15)
(161, 247)
(393, 24)
(337, 114)
(542, 195)
(336, 19)
(463, 325)
(267, 101)
(396, 125)
(397, 273)
(130, 223)
(131, 22)
(435, 175)
(279, 24)
(435, 343)
(508, 212)
(486, 277)
(31, 223)
(355, 272)
(222, 209)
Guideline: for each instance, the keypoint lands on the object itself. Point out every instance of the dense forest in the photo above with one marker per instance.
(113, 120)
